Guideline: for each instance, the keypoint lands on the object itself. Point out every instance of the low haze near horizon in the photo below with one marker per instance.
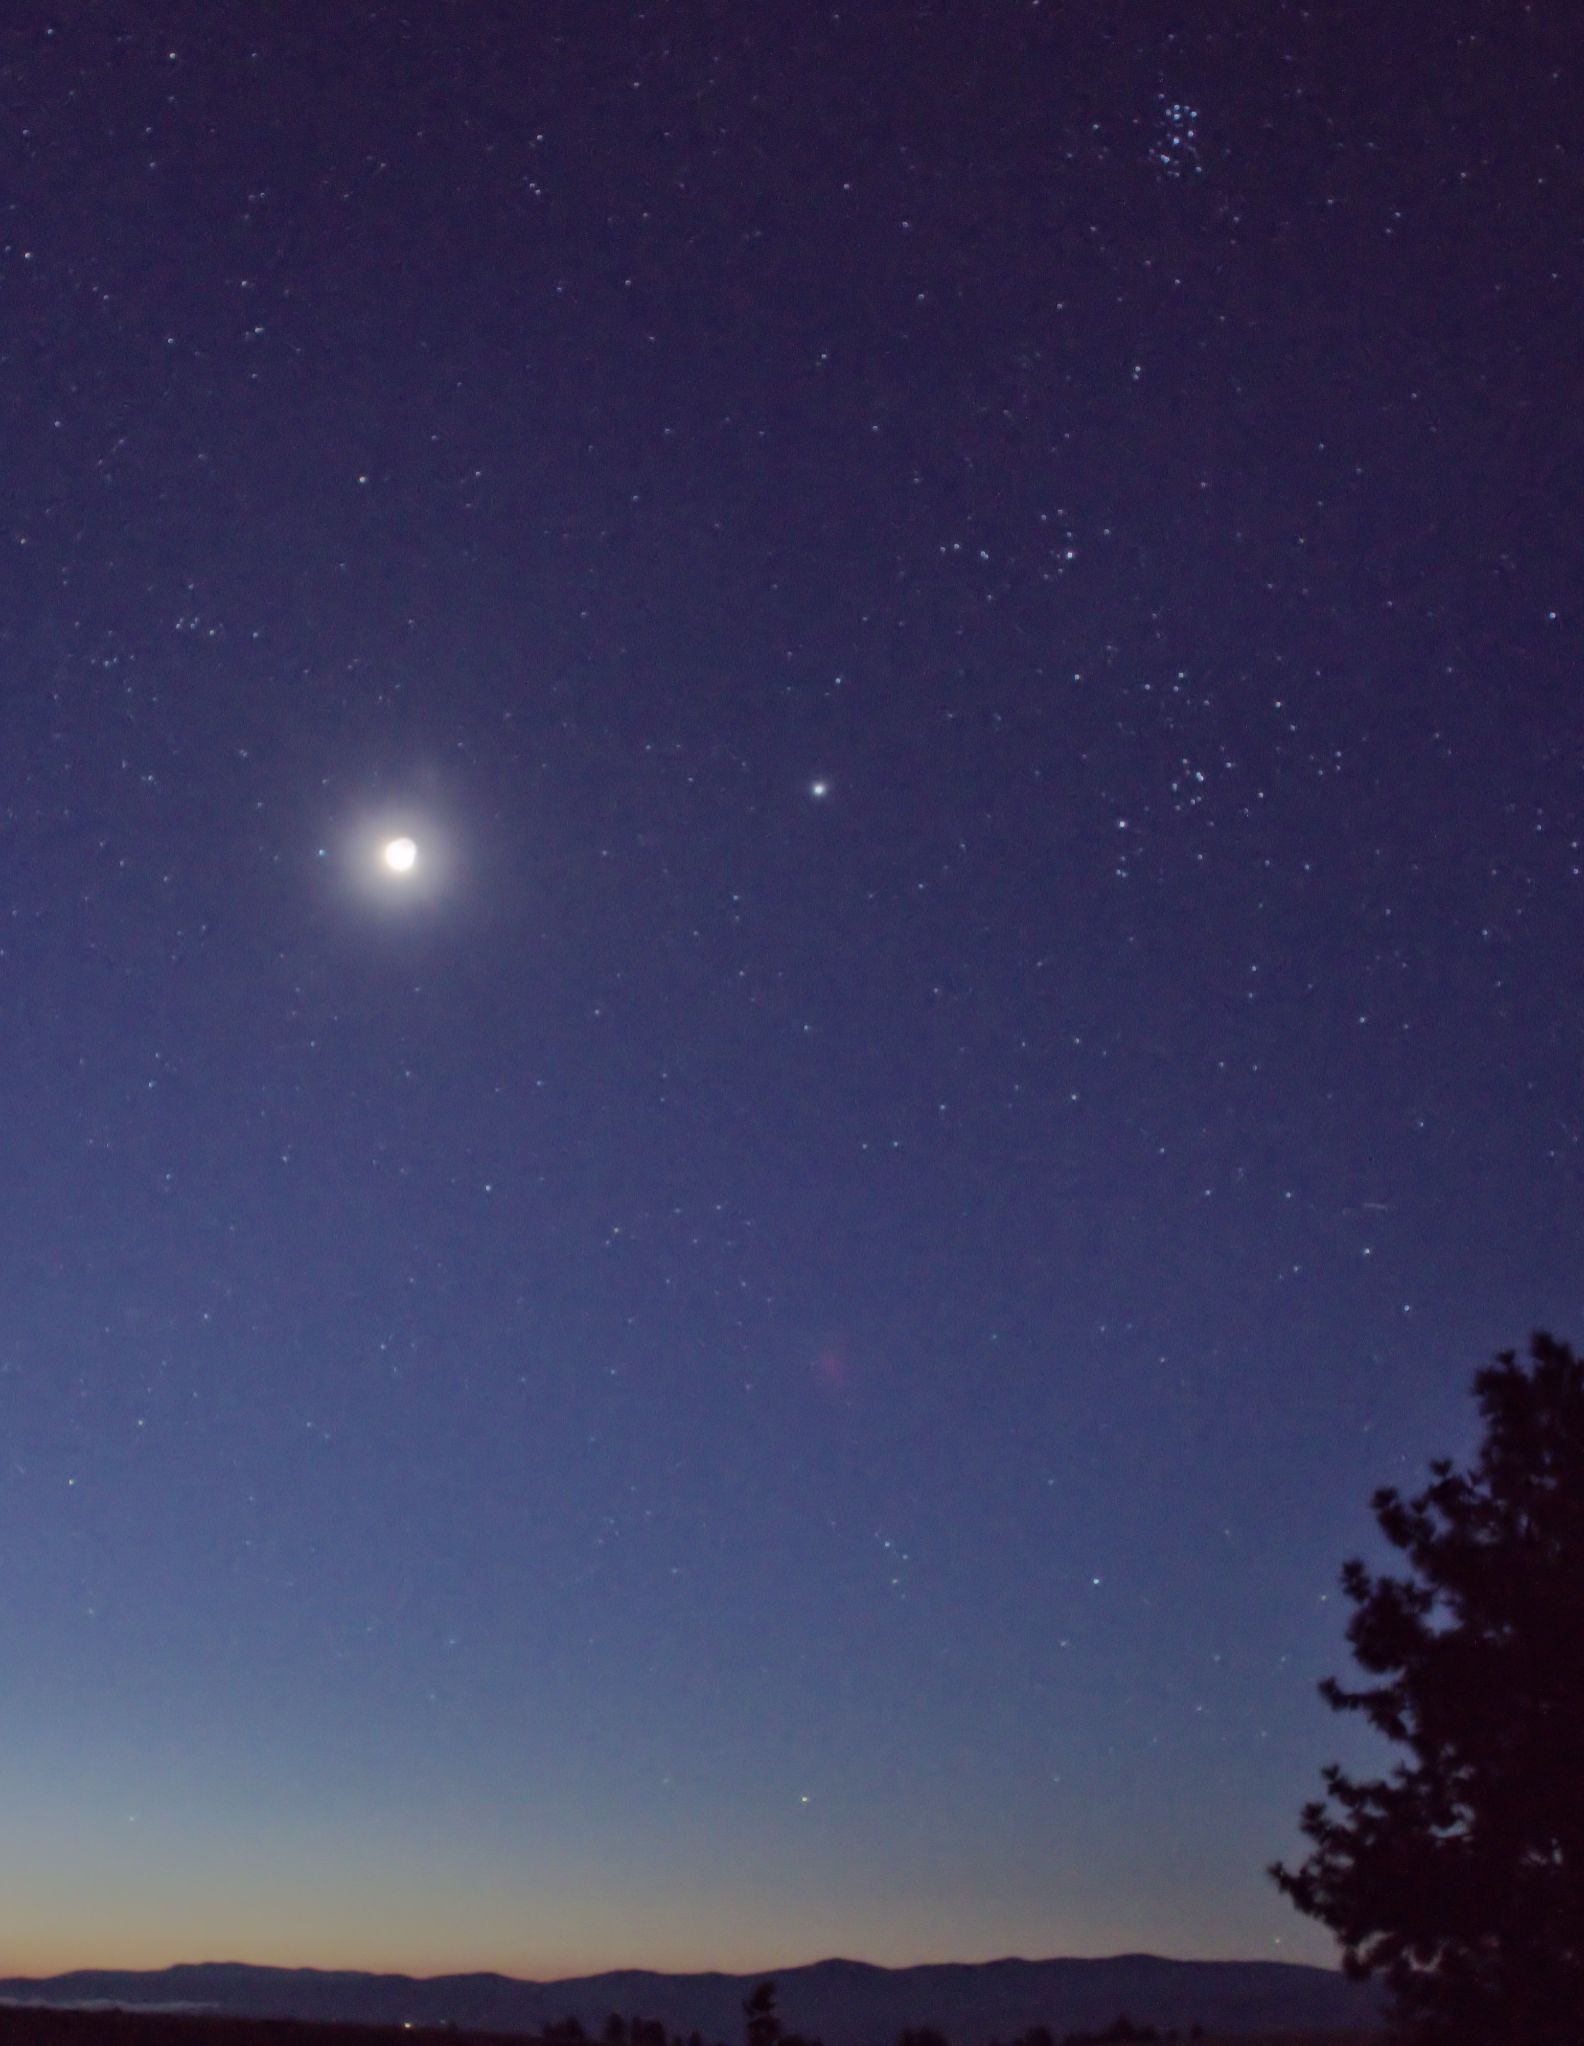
(766, 1339)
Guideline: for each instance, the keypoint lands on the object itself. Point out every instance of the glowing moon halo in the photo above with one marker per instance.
(400, 855)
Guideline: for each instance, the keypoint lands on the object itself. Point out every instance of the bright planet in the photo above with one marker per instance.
(400, 855)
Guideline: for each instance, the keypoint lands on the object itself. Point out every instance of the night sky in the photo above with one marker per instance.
(973, 611)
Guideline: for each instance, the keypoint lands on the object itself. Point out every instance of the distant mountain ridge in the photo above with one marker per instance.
(843, 2003)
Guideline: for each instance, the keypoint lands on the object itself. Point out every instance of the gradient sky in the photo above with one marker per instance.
(974, 611)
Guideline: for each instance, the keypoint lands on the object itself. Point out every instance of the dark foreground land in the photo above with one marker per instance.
(840, 2002)
(22, 2025)
(40, 2026)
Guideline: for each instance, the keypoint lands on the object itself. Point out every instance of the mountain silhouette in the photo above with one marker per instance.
(843, 2003)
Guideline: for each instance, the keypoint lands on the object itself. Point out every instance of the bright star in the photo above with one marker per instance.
(400, 855)
(819, 790)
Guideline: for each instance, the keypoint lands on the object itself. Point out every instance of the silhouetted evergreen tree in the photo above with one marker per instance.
(1459, 1878)
(615, 2033)
(763, 2027)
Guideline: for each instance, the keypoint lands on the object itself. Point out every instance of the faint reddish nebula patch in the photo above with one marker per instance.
(831, 1369)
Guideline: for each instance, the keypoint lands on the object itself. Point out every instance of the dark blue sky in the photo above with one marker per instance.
(974, 612)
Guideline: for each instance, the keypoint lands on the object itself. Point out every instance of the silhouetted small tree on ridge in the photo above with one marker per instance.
(761, 2025)
(1459, 1878)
